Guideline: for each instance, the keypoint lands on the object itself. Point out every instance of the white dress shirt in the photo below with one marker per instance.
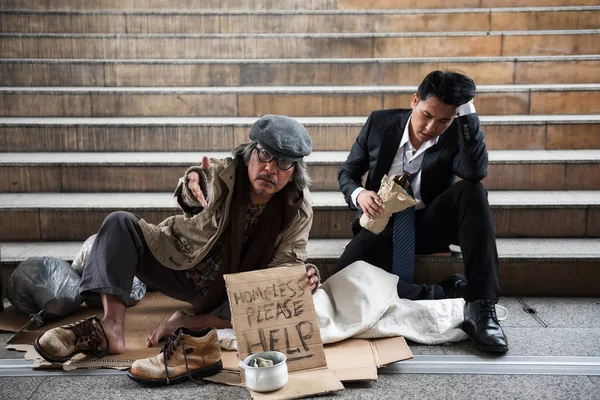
(407, 158)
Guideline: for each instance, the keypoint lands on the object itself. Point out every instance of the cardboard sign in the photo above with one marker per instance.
(273, 309)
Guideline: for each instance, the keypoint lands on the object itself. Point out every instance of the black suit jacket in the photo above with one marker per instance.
(460, 151)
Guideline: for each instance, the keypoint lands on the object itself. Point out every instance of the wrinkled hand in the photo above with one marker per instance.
(194, 183)
(370, 203)
(313, 278)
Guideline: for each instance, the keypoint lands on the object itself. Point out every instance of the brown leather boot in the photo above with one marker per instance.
(185, 355)
(60, 344)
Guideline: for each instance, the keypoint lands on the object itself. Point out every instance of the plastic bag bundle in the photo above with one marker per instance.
(138, 291)
(45, 284)
(80, 259)
(138, 288)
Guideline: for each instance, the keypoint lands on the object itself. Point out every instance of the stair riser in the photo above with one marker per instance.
(521, 277)
(217, 138)
(153, 178)
(578, 278)
(48, 225)
(298, 23)
(518, 277)
(291, 74)
(277, 4)
(297, 46)
(115, 104)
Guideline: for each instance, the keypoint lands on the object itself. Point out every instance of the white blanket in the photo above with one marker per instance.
(362, 301)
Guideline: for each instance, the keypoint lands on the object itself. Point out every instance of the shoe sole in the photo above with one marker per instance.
(494, 349)
(478, 346)
(201, 373)
(41, 352)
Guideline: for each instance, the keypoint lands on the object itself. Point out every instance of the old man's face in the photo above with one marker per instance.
(267, 178)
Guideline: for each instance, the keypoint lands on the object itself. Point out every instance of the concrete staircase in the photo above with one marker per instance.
(104, 105)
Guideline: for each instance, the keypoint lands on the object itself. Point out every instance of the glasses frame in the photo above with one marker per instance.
(271, 157)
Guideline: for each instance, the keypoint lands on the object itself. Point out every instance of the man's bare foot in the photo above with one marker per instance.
(179, 318)
(116, 336)
(193, 322)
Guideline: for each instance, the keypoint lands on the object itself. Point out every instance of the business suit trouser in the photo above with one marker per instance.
(460, 215)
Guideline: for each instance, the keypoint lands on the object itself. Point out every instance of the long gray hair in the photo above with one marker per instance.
(301, 179)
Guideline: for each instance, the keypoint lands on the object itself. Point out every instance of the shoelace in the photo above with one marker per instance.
(487, 309)
(86, 331)
(170, 347)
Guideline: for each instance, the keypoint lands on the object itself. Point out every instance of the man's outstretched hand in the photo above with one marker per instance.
(194, 183)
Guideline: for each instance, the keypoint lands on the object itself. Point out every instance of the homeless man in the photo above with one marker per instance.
(248, 212)
(436, 140)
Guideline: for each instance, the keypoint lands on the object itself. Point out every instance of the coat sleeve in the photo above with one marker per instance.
(356, 165)
(471, 162)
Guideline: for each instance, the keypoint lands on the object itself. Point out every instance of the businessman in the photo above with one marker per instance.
(435, 140)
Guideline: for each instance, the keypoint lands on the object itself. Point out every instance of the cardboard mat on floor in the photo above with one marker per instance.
(349, 360)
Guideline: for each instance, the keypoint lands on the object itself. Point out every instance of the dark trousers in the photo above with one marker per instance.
(460, 215)
(119, 253)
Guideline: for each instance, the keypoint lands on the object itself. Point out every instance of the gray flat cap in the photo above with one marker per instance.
(282, 136)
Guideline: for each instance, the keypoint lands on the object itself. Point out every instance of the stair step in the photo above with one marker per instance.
(271, 72)
(155, 172)
(295, 21)
(360, 45)
(75, 216)
(528, 267)
(512, 132)
(297, 101)
(275, 4)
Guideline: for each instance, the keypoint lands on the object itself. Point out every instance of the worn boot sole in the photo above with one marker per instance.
(45, 356)
(469, 330)
(199, 374)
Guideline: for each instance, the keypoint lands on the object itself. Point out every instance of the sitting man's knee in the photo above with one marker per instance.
(472, 188)
(116, 217)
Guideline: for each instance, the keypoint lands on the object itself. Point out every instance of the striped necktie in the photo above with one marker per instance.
(403, 239)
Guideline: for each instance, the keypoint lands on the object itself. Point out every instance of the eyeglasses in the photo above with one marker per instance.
(267, 157)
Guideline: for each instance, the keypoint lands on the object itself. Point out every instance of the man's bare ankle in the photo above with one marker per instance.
(115, 334)
(116, 346)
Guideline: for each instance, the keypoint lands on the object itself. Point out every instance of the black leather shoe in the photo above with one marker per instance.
(453, 285)
(481, 323)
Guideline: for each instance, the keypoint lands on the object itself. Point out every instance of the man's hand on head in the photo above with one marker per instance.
(370, 203)
(194, 183)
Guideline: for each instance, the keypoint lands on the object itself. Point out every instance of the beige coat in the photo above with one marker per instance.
(182, 241)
